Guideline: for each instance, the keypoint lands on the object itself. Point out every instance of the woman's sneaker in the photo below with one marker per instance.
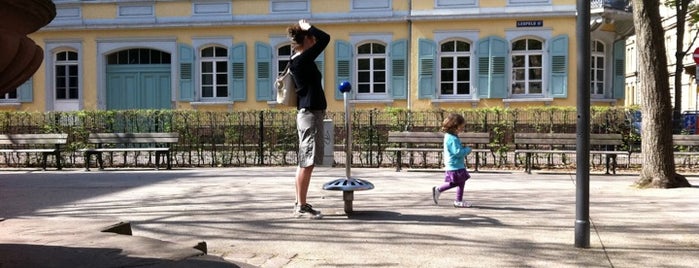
(307, 209)
(462, 204)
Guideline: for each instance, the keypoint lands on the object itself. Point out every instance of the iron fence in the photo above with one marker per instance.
(268, 137)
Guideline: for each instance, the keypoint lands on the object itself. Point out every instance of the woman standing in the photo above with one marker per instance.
(308, 42)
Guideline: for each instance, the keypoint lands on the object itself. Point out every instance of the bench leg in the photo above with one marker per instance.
(610, 160)
(87, 161)
(101, 161)
(59, 165)
(528, 163)
(477, 161)
(44, 157)
(167, 155)
(399, 161)
(157, 160)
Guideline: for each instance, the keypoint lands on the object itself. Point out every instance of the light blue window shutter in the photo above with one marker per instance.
(426, 68)
(343, 64)
(186, 64)
(558, 71)
(25, 92)
(499, 50)
(399, 70)
(492, 54)
(619, 72)
(483, 68)
(263, 72)
(237, 88)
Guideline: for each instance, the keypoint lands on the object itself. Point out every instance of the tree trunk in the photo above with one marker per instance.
(658, 168)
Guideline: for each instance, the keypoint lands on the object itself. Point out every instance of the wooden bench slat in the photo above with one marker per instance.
(423, 141)
(28, 150)
(130, 149)
(33, 143)
(130, 142)
(33, 139)
(553, 143)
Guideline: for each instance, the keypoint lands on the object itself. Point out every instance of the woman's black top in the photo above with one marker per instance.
(307, 76)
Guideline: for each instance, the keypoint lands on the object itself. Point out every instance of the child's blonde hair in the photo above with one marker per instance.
(452, 122)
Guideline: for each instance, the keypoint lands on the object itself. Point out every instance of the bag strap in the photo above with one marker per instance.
(288, 64)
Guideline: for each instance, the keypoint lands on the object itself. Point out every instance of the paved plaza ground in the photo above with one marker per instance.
(244, 216)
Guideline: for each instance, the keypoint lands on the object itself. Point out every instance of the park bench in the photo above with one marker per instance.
(686, 145)
(159, 143)
(46, 144)
(425, 142)
(565, 143)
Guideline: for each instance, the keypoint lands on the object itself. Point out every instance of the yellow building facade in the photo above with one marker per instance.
(220, 55)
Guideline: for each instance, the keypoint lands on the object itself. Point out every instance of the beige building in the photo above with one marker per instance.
(224, 55)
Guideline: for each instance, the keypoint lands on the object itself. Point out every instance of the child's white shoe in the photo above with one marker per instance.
(462, 204)
(435, 195)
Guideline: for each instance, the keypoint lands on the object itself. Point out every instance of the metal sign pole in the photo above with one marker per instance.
(582, 176)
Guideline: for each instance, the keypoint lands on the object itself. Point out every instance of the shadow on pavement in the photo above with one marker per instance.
(30, 255)
(394, 216)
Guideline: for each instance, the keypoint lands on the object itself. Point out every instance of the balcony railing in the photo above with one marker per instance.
(624, 5)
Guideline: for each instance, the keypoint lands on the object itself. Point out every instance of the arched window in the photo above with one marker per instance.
(454, 68)
(214, 72)
(527, 67)
(66, 75)
(371, 68)
(283, 56)
(597, 63)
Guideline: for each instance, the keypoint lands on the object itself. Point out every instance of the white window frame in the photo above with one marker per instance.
(200, 43)
(455, 56)
(53, 47)
(213, 60)
(543, 34)
(65, 64)
(372, 71)
(362, 38)
(527, 80)
(280, 61)
(594, 69)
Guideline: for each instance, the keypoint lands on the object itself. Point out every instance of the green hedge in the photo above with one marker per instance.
(268, 137)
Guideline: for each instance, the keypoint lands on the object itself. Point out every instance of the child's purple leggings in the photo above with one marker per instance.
(459, 189)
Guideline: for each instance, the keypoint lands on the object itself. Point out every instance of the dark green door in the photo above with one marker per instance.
(138, 87)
